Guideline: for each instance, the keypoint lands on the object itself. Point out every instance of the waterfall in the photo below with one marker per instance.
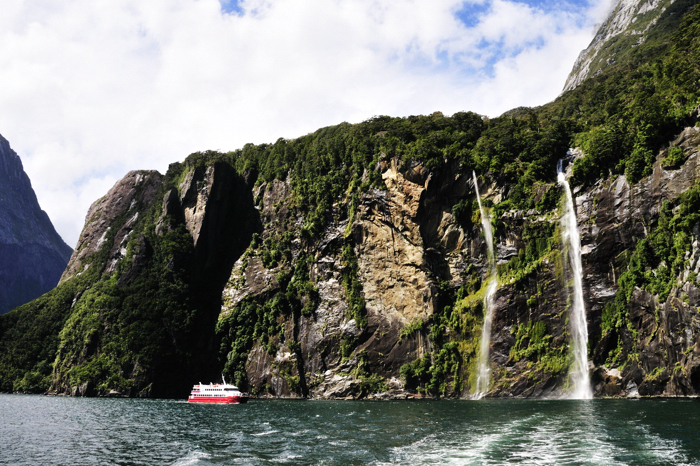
(579, 329)
(483, 364)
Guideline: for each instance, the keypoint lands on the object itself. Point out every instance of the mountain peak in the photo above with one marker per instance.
(32, 254)
(627, 27)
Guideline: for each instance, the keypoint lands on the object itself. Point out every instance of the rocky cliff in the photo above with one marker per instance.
(32, 254)
(159, 250)
(350, 262)
(630, 25)
(410, 250)
(623, 224)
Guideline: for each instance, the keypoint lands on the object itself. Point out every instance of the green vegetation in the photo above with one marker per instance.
(539, 240)
(674, 158)
(264, 319)
(103, 329)
(369, 382)
(532, 342)
(454, 332)
(415, 326)
(30, 340)
(353, 287)
(655, 265)
(627, 113)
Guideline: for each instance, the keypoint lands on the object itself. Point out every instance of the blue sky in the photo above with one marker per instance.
(471, 13)
(465, 13)
(92, 90)
(231, 7)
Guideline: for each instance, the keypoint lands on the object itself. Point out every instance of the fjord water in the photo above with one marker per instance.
(579, 328)
(483, 375)
(85, 431)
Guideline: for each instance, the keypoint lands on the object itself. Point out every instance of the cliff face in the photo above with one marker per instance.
(370, 280)
(409, 248)
(661, 341)
(106, 214)
(628, 26)
(147, 278)
(32, 254)
(392, 288)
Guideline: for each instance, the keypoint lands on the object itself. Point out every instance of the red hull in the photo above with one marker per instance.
(219, 399)
(219, 393)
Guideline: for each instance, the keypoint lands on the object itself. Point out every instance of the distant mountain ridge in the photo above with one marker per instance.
(32, 254)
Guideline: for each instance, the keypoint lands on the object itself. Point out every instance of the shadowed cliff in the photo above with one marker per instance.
(32, 254)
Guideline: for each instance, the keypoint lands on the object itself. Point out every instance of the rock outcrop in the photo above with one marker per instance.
(407, 244)
(390, 288)
(32, 254)
(148, 273)
(110, 221)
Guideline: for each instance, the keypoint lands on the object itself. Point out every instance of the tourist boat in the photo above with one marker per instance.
(217, 393)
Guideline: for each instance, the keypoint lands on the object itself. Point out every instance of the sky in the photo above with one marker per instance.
(91, 90)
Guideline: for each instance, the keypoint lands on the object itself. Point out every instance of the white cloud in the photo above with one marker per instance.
(91, 90)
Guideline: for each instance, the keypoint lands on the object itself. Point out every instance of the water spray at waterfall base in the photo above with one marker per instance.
(483, 378)
(579, 328)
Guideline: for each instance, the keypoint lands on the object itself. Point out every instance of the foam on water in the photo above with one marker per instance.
(193, 458)
(260, 434)
(577, 437)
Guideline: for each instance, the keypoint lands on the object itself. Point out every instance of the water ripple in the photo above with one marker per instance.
(46, 430)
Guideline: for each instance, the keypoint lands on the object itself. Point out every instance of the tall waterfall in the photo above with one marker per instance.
(579, 329)
(483, 364)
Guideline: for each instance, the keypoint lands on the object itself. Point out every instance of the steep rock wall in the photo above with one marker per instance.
(155, 258)
(387, 301)
(32, 254)
(115, 210)
(660, 342)
(408, 249)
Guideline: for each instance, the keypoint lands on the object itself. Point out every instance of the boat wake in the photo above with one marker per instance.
(574, 435)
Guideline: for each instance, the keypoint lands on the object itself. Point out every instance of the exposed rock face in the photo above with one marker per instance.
(143, 240)
(407, 246)
(136, 187)
(614, 217)
(32, 254)
(407, 241)
(628, 23)
(391, 253)
(392, 269)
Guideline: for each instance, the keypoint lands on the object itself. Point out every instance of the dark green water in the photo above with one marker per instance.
(72, 431)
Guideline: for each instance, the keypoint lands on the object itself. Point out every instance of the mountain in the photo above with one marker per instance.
(32, 254)
(351, 262)
(634, 27)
